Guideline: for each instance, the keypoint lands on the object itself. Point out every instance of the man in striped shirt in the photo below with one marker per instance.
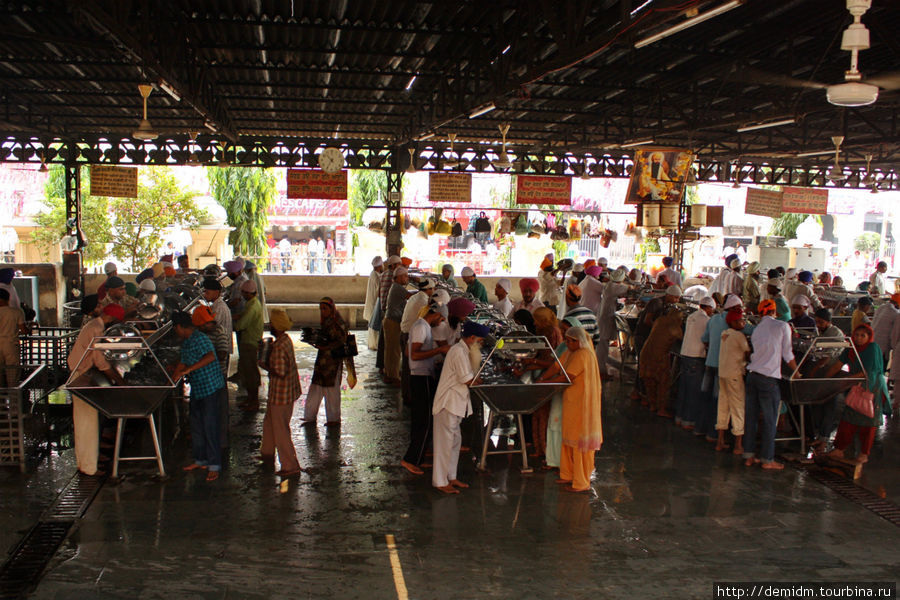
(584, 315)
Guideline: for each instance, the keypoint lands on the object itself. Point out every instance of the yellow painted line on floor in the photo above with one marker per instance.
(397, 568)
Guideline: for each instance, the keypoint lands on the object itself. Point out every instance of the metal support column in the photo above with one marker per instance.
(72, 260)
(394, 220)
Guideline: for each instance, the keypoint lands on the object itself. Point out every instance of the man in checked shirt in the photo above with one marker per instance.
(284, 389)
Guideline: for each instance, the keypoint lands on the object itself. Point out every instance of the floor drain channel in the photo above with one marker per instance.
(867, 499)
(23, 569)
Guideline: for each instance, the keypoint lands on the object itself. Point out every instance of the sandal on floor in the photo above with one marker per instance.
(193, 467)
(212, 475)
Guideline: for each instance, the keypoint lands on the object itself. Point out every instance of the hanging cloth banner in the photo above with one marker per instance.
(537, 189)
(114, 182)
(766, 203)
(316, 184)
(450, 187)
(809, 201)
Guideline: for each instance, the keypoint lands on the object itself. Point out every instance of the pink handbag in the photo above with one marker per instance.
(861, 400)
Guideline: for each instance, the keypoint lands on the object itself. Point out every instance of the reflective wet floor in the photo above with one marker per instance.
(668, 516)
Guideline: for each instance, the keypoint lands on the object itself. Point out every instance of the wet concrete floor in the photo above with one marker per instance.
(667, 518)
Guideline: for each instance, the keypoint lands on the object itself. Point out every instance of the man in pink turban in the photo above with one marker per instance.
(529, 286)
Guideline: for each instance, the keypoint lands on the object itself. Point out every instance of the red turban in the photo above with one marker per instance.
(529, 283)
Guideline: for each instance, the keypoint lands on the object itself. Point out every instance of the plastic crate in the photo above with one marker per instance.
(19, 430)
(48, 346)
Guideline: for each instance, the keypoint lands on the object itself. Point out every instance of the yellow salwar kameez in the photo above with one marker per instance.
(582, 432)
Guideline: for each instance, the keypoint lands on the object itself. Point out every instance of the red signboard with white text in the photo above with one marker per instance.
(315, 183)
(536, 189)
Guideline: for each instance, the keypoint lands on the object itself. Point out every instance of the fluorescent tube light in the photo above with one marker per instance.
(633, 143)
(169, 90)
(411, 82)
(483, 109)
(766, 125)
(688, 23)
(814, 153)
(425, 136)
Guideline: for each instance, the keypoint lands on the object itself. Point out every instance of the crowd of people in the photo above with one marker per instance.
(733, 340)
(235, 311)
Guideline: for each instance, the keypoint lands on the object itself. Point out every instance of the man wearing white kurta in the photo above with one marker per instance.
(503, 303)
(451, 405)
(371, 299)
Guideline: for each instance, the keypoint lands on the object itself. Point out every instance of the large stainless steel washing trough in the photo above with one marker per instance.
(811, 387)
(128, 401)
(506, 394)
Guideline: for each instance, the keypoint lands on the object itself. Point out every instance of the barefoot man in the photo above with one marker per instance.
(451, 405)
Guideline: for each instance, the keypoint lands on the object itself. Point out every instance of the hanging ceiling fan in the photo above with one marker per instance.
(502, 163)
(145, 131)
(836, 173)
(454, 160)
(870, 180)
(854, 91)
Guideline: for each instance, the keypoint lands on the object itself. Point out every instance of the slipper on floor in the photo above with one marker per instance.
(212, 475)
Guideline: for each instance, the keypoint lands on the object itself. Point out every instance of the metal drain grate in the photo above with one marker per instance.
(24, 567)
(74, 499)
(867, 499)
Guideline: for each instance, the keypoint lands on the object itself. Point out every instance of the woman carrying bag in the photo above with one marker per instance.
(866, 402)
(327, 373)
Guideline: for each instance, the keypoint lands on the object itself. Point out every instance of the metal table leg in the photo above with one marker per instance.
(525, 467)
(119, 427)
(487, 440)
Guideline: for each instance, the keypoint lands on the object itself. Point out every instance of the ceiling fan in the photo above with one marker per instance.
(145, 131)
(855, 91)
(870, 180)
(502, 163)
(836, 173)
(454, 160)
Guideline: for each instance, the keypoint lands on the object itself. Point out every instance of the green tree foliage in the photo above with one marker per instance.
(367, 187)
(869, 242)
(138, 224)
(51, 221)
(786, 225)
(246, 194)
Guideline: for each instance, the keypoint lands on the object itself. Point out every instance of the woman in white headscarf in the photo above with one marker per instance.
(582, 428)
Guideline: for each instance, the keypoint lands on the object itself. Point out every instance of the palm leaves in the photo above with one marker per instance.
(246, 194)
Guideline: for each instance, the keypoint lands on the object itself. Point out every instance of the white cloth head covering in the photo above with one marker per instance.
(708, 301)
(377, 261)
(673, 290)
(753, 268)
(109, 268)
(618, 275)
(602, 261)
(800, 300)
(426, 284)
(580, 334)
(505, 283)
(776, 282)
(441, 297)
(735, 263)
(733, 301)
(148, 285)
(400, 271)
(467, 272)
(579, 268)
(393, 259)
(790, 274)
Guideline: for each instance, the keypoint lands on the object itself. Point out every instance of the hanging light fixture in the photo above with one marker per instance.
(837, 172)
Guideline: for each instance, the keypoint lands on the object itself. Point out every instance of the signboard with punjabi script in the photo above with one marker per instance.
(763, 202)
(114, 182)
(450, 187)
(536, 189)
(315, 183)
(810, 201)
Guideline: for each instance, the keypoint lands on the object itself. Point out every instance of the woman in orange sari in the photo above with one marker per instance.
(582, 431)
